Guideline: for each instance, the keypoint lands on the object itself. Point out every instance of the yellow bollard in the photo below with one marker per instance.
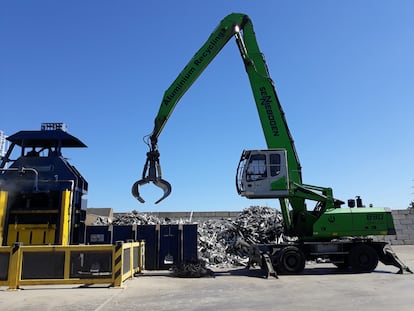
(15, 266)
(117, 264)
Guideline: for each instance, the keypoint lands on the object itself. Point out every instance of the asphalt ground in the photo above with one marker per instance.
(320, 287)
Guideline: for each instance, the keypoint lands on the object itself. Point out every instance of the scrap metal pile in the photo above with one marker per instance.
(224, 242)
(135, 218)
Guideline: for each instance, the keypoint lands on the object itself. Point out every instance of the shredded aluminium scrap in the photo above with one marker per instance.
(225, 243)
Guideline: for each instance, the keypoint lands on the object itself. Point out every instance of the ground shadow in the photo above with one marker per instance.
(261, 273)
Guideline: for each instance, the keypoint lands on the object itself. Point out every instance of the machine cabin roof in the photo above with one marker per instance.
(45, 139)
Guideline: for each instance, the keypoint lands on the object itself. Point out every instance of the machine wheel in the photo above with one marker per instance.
(363, 258)
(290, 260)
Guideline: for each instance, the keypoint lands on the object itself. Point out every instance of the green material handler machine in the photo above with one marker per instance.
(342, 235)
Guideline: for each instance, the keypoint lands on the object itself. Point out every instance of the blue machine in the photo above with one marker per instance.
(42, 196)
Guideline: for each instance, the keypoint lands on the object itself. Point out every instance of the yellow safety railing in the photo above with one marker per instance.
(74, 264)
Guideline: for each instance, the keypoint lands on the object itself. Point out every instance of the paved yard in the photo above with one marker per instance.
(321, 287)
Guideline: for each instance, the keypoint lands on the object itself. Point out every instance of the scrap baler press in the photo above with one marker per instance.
(42, 196)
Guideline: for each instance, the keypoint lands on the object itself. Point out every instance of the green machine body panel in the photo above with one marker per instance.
(343, 222)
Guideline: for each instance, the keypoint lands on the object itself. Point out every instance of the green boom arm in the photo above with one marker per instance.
(271, 115)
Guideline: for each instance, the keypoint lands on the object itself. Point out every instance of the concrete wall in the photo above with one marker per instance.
(93, 213)
(404, 225)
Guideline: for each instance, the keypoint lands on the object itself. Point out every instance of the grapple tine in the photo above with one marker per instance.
(135, 190)
(165, 186)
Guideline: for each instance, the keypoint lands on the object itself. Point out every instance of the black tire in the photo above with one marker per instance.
(290, 260)
(363, 258)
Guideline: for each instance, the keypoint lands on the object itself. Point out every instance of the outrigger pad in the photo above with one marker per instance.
(269, 266)
(391, 258)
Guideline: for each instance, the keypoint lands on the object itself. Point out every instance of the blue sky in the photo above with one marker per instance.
(344, 72)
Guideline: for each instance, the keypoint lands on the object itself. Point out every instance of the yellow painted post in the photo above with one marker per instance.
(66, 270)
(65, 218)
(3, 209)
(117, 264)
(15, 266)
(131, 260)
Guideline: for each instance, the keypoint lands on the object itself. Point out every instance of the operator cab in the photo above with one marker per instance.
(263, 174)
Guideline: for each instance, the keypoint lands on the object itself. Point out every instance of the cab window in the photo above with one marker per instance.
(256, 167)
(274, 164)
